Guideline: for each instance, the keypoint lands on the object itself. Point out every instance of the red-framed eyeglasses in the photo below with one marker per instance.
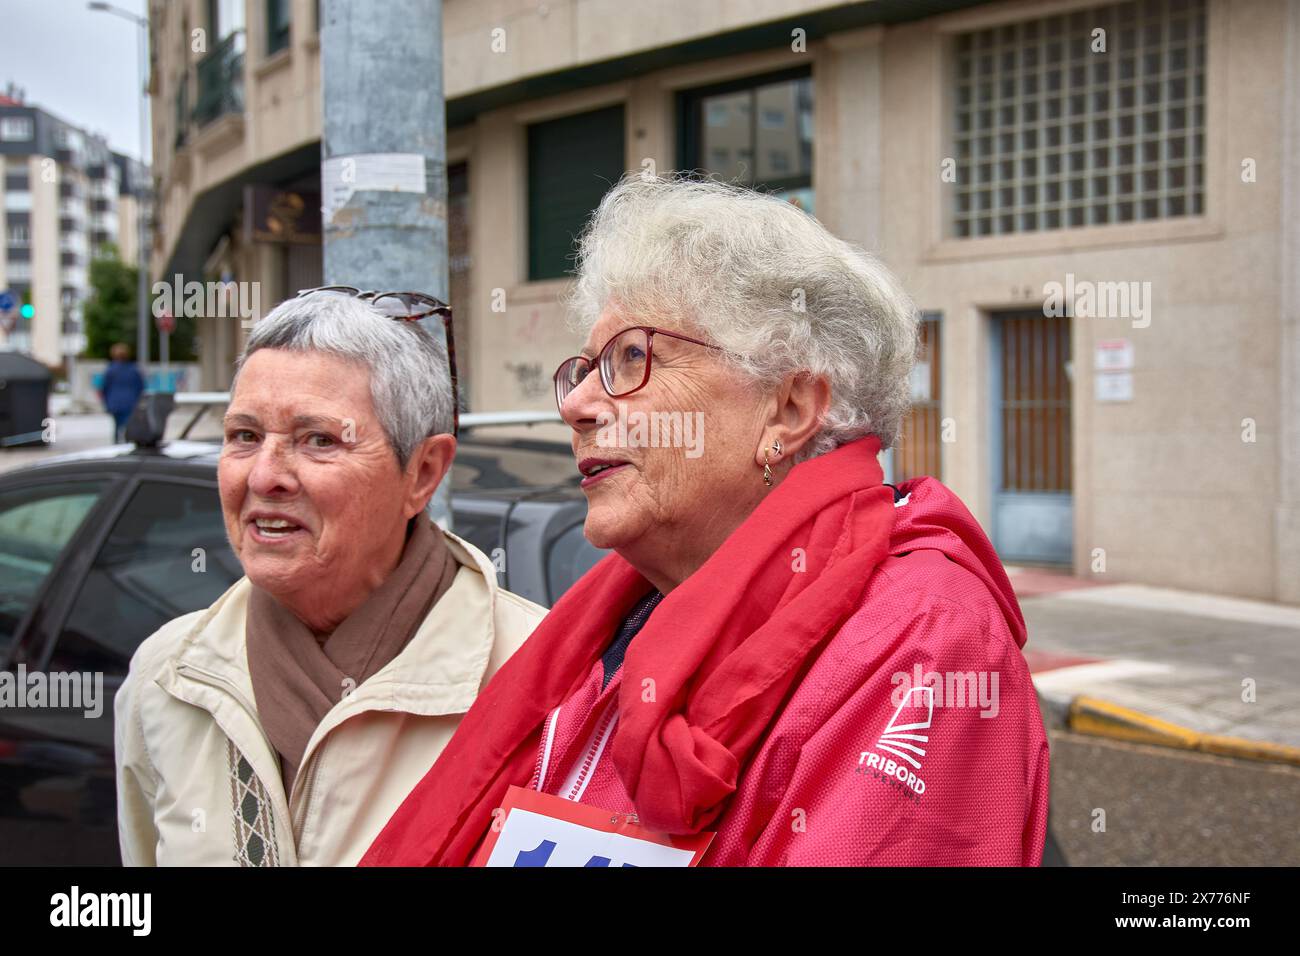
(624, 362)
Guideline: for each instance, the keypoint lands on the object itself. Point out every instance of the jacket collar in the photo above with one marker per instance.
(439, 672)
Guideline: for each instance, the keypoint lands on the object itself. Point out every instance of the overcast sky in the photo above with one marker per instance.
(77, 64)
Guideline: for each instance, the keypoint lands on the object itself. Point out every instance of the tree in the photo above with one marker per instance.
(110, 311)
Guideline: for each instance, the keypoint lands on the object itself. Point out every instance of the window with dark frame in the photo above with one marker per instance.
(277, 26)
(572, 162)
(757, 131)
(225, 19)
(16, 128)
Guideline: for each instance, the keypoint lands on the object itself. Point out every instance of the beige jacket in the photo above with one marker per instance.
(198, 783)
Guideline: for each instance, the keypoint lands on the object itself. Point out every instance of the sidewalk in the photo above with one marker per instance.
(71, 433)
(1161, 666)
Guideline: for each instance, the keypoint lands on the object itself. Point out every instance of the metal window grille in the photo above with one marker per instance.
(1049, 134)
(919, 450)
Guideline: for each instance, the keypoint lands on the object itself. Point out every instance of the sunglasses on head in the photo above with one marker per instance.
(408, 307)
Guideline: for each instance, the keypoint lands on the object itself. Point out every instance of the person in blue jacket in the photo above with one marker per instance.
(121, 388)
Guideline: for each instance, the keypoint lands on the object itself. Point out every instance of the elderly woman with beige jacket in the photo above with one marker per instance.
(285, 724)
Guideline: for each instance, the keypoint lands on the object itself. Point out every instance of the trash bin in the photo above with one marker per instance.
(24, 399)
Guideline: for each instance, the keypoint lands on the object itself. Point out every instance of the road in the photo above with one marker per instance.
(71, 433)
(1170, 807)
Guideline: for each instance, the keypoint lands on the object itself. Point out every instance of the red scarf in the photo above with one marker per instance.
(702, 682)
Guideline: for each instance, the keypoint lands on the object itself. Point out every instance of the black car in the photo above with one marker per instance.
(99, 549)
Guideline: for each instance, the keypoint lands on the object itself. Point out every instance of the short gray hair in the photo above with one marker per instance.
(763, 279)
(410, 381)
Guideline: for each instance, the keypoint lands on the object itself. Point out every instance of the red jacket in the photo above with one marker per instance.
(914, 739)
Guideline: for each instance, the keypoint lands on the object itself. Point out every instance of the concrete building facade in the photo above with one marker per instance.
(65, 195)
(1095, 205)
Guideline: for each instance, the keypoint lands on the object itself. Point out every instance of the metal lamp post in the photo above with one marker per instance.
(142, 253)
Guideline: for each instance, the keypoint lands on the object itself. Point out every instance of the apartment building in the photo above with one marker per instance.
(65, 195)
(1095, 204)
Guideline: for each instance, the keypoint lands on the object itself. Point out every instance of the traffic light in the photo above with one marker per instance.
(27, 311)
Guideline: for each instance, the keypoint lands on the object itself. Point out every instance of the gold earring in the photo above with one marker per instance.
(767, 470)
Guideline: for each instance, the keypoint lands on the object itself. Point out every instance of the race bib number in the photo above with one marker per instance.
(538, 829)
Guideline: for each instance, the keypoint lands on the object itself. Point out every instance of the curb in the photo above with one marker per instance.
(1099, 718)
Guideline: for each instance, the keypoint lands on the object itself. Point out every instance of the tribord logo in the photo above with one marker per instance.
(901, 739)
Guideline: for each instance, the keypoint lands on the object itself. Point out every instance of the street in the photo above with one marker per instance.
(1168, 807)
(71, 433)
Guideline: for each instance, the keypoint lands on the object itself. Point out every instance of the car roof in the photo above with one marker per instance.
(197, 451)
(484, 466)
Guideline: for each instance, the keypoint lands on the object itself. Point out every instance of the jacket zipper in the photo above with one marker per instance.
(220, 683)
(306, 798)
(215, 680)
(542, 767)
(588, 763)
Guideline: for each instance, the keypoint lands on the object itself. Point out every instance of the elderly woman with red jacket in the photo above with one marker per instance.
(812, 666)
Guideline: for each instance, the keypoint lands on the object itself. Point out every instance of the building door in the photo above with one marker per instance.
(919, 450)
(1033, 504)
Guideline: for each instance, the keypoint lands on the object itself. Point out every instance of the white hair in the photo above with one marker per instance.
(410, 381)
(764, 280)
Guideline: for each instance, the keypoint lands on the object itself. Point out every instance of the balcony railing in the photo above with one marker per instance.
(220, 77)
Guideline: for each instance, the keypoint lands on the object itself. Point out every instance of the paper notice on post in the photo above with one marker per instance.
(341, 176)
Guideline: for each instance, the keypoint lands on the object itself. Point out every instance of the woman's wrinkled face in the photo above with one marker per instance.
(681, 450)
(313, 497)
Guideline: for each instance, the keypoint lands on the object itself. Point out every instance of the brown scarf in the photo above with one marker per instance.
(298, 678)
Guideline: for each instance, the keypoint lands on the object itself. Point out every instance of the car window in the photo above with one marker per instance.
(481, 530)
(571, 556)
(166, 555)
(35, 524)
